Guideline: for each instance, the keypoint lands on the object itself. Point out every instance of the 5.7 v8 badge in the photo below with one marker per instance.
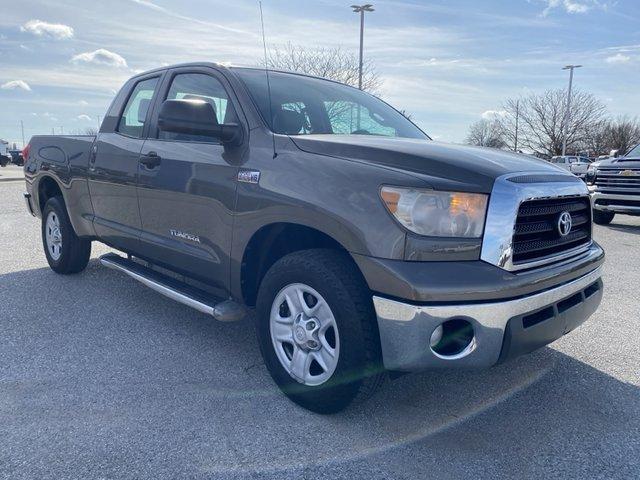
(249, 176)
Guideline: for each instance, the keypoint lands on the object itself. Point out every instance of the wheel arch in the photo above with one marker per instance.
(272, 242)
(48, 188)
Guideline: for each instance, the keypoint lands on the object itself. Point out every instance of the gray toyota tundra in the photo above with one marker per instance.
(365, 248)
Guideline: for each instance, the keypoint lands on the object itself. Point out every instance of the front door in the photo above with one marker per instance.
(187, 186)
(113, 172)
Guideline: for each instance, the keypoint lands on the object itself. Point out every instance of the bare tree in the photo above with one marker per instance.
(622, 134)
(332, 63)
(597, 139)
(90, 131)
(486, 133)
(542, 117)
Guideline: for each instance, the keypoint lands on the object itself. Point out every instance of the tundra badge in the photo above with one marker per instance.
(185, 236)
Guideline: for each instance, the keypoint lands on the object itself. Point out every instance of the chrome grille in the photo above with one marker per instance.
(537, 235)
(621, 180)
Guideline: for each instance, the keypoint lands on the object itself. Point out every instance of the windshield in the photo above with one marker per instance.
(305, 105)
(635, 152)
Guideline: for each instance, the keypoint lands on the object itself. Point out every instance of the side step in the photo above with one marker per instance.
(222, 310)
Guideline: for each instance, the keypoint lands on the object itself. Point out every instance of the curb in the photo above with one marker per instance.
(11, 180)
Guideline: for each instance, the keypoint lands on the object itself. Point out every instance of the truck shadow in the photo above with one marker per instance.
(626, 228)
(98, 352)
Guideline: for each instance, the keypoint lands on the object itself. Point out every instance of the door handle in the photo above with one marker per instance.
(92, 158)
(150, 160)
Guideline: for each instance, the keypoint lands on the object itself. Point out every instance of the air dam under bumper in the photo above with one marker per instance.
(501, 330)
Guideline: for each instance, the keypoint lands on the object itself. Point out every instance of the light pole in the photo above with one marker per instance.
(361, 9)
(567, 114)
(515, 146)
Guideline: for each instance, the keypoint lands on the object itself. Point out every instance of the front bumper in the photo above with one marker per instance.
(618, 203)
(501, 329)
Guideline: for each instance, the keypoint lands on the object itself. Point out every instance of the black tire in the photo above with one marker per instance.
(74, 252)
(359, 372)
(603, 218)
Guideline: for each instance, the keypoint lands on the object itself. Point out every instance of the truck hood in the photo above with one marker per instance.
(622, 162)
(441, 165)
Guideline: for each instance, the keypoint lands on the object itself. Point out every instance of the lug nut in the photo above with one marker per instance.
(312, 344)
(311, 325)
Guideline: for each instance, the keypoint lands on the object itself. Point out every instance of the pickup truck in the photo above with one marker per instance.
(576, 165)
(361, 248)
(615, 186)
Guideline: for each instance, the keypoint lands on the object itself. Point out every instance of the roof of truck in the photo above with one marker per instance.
(229, 66)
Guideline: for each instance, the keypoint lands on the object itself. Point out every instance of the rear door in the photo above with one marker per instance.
(113, 169)
(187, 184)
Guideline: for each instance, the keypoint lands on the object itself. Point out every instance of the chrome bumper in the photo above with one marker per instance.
(596, 195)
(405, 330)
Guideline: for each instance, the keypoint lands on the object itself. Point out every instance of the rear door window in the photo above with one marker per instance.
(135, 112)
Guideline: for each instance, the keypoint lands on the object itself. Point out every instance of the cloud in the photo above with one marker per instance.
(83, 103)
(16, 85)
(166, 11)
(45, 29)
(86, 118)
(100, 57)
(494, 114)
(618, 58)
(573, 6)
(46, 115)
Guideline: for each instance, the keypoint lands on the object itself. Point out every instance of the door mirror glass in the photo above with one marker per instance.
(194, 117)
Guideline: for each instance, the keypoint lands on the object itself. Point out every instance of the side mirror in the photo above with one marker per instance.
(197, 117)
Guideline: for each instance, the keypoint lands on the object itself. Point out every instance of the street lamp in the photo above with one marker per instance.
(361, 9)
(567, 114)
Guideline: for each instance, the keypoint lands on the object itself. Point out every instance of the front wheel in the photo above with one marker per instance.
(66, 252)
(317, 330)
(603, 218)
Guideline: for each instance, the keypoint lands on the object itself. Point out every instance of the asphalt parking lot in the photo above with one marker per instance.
(103, 378)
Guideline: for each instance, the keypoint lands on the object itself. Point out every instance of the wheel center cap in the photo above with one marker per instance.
(300, 334)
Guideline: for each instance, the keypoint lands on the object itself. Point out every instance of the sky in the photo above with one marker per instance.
(447, 63)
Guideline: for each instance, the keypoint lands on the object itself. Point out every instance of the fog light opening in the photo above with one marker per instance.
(453, 339)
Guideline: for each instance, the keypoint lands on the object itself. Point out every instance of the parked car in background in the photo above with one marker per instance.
(575, 164)
(580, 167)
(5, 158)
(615, 186)
(16, 157)
(363, 246)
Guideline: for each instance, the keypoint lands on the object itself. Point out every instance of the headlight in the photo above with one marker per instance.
(437, 214)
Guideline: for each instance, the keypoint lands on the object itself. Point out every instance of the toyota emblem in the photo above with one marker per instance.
(565, 222)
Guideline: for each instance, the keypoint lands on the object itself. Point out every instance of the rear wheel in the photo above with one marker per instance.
(603, 218)
(66, 253)
(318, 332)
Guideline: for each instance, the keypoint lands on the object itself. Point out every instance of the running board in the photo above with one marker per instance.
(222, 310)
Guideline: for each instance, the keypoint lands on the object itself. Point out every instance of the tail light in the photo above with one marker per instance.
(25, 152)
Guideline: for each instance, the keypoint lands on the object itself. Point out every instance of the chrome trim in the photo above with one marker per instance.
(405, 329)
(504, 203)
(161, 289)
(27, 199)
(619, 208)
(599, 195)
